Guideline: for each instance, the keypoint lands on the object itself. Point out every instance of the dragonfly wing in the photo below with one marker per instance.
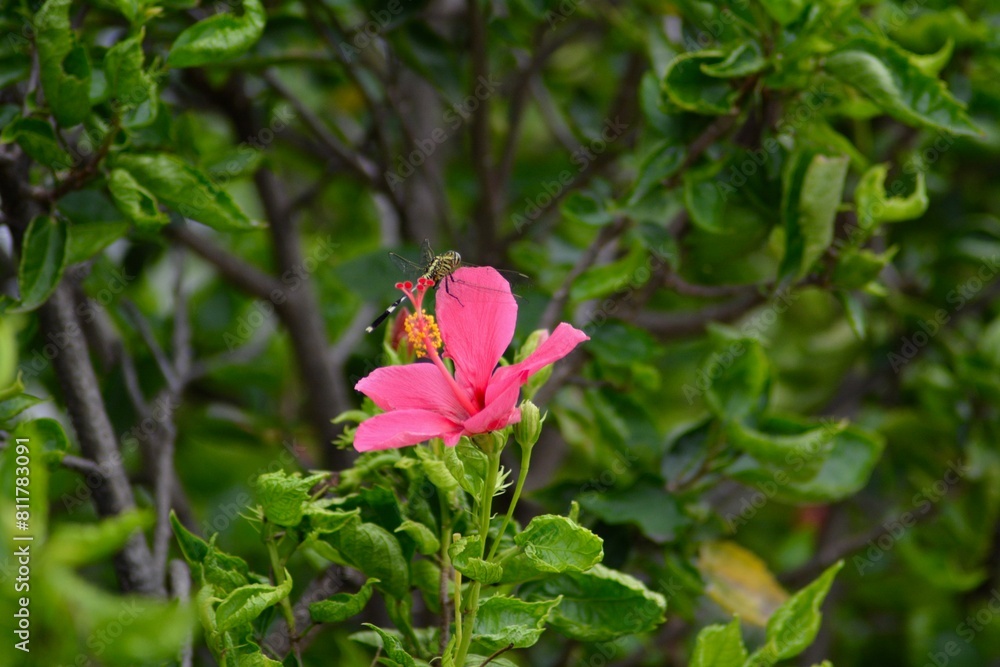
(409, 269)
(426, 253)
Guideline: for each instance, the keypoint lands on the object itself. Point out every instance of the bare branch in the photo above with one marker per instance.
(180, 587)
(96, 436)
(554, 310)
(367, 170)
(244, 276)
(85, 467)
(135, 316)
(482, 159)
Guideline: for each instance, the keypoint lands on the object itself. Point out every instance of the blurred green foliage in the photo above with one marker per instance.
(774, 219)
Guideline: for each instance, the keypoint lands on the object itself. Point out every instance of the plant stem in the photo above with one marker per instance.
(485, 512)
(445, 571)
(279, 579)
(458, 607)
(521, 476)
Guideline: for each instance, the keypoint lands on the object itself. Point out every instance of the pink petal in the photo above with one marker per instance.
(477, 325)
(401, 428)
(561, 342)
(498, 413)
(418, 386)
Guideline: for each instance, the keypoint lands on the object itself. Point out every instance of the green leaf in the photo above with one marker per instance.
(845, 470)
(874, 205)
(784, 11)
(342, 606)
(466, 556)
(932, 63)
(185, 189)
(38, 140)
(793, 626)
(427, 541)
(376, 552)
(15, 405)
(13, 400)
(393, 648)
(719, 646)
(705, 204)
(128, 84)
(585, 208)
(63, 64)
(886, 75)
(43, 259)
(557, 544)
(599, 605)
(661, 163)
(437, 471)
(193, 548)
(467, 463)
(812, 187)
(134, 201)
(322, 520)
(649, 506)
(744, 60)
(854, 310)
(90, 238)
(284, 496)
(740, 375)
(502, 621)
(219, 38)
(688, 86)
(79, 544)
(128, 8)
(248, 602)
(218, 569)
(857, 267)
(812, 445)
(610, 278)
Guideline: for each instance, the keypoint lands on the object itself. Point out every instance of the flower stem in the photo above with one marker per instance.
(485, 512)
(521, 476)
(279, 579)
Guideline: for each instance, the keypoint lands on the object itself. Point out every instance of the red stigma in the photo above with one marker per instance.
(399, 285)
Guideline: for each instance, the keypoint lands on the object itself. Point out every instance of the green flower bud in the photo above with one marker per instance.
(541, 377)
(530, 344)
(527, 431)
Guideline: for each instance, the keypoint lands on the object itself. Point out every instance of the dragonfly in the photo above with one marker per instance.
(436, 267)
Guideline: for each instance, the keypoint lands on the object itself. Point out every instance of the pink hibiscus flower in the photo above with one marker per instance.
(423, 400)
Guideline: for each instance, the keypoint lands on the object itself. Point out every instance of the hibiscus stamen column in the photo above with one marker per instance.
(425, 336)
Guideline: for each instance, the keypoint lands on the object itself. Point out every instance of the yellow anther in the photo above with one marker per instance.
(422, 332)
